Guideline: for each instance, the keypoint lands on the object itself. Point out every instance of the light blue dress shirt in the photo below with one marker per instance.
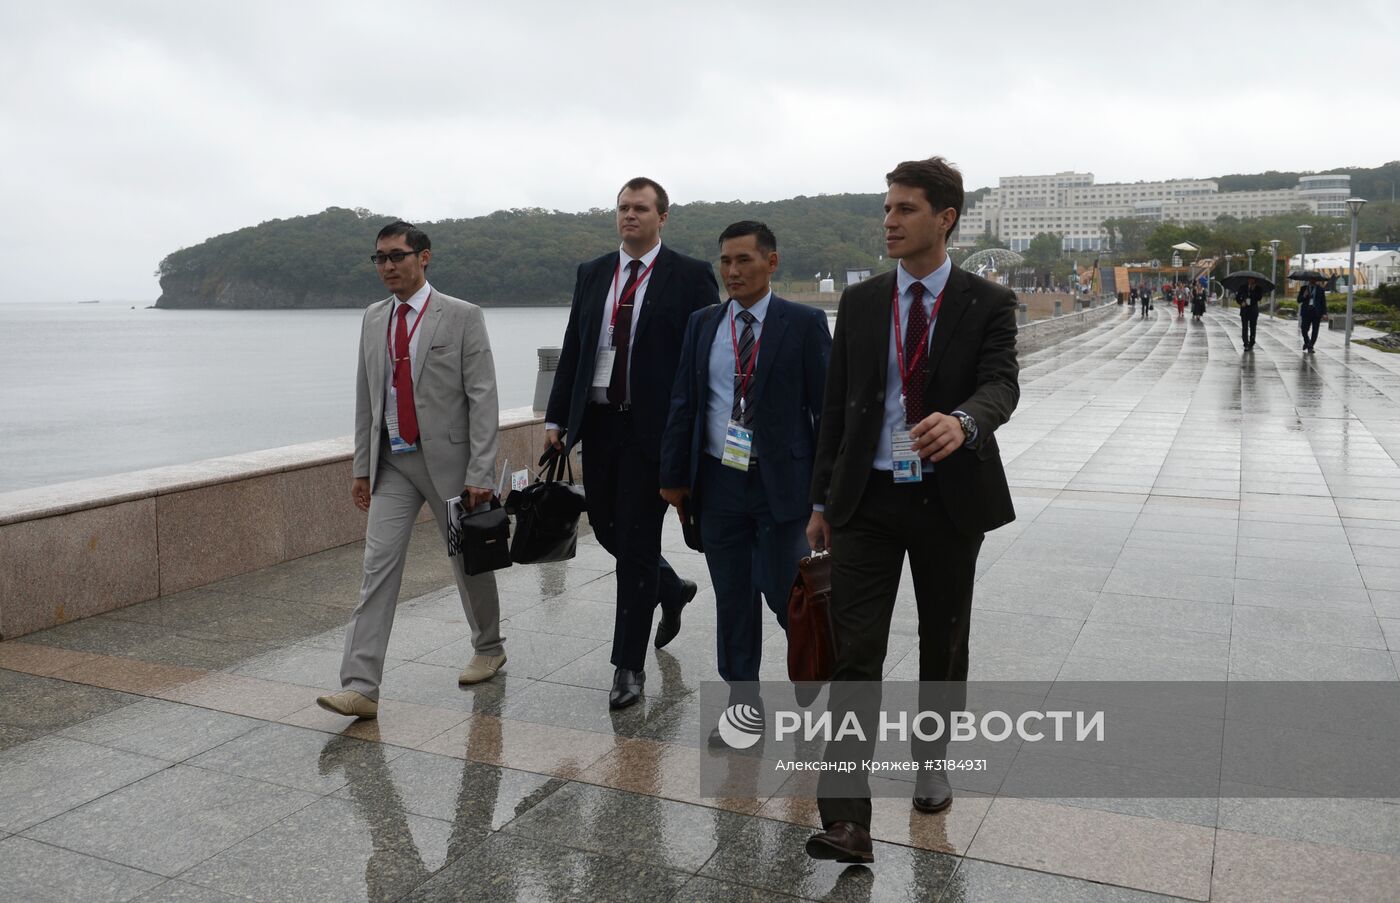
(894, 386)
(719, 403)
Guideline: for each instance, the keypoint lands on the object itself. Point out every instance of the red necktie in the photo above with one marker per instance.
(403, 379)
(916, 353)
(622, 336)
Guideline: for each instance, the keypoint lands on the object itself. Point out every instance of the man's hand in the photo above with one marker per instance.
(552, 440)
(359, 492)
(674, 497)
(476, 495)
(818, 533)
(937, 436)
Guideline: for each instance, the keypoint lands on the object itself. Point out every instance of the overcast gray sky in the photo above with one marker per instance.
(129, 129)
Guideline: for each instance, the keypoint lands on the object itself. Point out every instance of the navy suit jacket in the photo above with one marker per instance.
(678, 286)
(786, 400)
(1319, 299)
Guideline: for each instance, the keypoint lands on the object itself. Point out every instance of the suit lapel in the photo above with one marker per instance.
(595, 303)
(376, 325)
(704, 344)
(876, 310)
(770, 343)
(957, 298)
(432, 318)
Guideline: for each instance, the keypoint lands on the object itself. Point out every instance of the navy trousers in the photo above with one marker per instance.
(750, 554)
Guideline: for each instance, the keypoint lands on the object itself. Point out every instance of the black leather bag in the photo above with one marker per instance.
(546, 514)
(483, 536)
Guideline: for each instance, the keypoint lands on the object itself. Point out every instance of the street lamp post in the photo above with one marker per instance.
(1354, 205)
(1303, 230)
(1249, 252)
(1273, 270)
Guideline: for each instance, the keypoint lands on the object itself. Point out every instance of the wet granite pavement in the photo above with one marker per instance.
(1186, 510)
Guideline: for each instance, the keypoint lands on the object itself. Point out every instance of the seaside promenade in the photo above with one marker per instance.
(1186, 511)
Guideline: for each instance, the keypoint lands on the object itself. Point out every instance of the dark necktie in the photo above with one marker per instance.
(622, 336)
(403, 379)
(745, 358)
(916, 357)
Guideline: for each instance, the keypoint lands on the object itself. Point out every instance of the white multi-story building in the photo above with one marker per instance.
(1070, 204)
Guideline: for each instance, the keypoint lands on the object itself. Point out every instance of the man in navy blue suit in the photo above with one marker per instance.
(612, 393)
(741, 439)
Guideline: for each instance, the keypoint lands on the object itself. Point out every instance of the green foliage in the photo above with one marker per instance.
(1044, 250)
(522, 256)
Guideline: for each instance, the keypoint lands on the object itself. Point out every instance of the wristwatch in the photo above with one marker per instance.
(969, 426)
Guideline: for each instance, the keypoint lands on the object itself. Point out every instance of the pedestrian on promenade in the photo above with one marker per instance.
(1132, 300)
(1248, 297)
(1179, 298)
(923, 371)
(612, 392)
(740, 442)
(426, 429)
(1312, 307)
(1198, 301)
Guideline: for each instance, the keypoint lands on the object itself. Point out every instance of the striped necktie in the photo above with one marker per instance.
(745, 358)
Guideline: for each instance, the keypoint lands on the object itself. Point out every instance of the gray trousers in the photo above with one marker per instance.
(401, 488)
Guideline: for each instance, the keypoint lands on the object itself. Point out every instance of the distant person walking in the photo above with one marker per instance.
(1312, 307)
(1248, 297)
(1198, 302)
(426, 429)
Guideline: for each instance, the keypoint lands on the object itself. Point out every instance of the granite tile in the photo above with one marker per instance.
(333, 850)
(162, 730)
(38, 873)
(509, 868)
(37, 659)
(172, 820)
(708, 890)
(294, 757)
(641, 828)
(1356, 824)
(1250, 868)
(1171, 584)
(51, 775)
(436, 686)
(576, 618)
(472, 796)
(1143, 611)
(1283, 594)
(174, 891)
(585, 709)
(240, 695)
(41, 705)
(1383, 578)
(1145, 854)
(538, 748)
(1331, 627)
(399, 723)
(987, 882)
(1267, 658)
(671, 771)
(770, 855)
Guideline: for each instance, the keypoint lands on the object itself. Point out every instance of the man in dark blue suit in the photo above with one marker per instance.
(612, 393)
(741, 439)
(1312, 307)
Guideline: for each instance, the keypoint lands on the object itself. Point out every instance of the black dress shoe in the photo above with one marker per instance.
(932, 793)
(626, 688)
(671, 617)
(844, 841)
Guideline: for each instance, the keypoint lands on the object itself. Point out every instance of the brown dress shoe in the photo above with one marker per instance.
(844, 841)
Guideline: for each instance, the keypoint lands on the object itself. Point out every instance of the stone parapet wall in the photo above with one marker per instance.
(78, 549)
(1044, 333)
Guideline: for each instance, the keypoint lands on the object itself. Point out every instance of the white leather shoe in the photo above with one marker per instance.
(348, 702)
(481, 667)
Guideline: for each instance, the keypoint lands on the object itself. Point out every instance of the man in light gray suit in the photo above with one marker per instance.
(426, 429)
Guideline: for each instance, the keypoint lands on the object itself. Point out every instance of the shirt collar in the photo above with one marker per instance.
(934, 282)
(759, 308)
(624, 258)
(417, 299)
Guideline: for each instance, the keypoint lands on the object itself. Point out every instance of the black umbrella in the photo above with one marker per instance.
(1236, 281)
(1305, 275)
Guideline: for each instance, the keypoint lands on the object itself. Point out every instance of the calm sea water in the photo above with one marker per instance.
(88, 390)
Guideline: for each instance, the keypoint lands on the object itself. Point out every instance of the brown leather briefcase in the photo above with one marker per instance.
(811, 649)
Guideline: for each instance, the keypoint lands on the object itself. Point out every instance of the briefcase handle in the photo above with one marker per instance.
(556, 464)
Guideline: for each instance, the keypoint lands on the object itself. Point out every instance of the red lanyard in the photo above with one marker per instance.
(627, 296)
(414, 328)
(753, 362)
(904, 374)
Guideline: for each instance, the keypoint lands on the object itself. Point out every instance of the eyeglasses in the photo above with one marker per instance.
(395, 256)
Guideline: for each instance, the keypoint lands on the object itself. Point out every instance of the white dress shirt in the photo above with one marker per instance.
(934, 284)
(599, 394)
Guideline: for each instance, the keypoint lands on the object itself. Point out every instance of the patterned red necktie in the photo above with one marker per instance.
(403, 379)
(916, 354)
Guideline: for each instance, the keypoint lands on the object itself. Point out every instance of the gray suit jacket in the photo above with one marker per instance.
(454, 393)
